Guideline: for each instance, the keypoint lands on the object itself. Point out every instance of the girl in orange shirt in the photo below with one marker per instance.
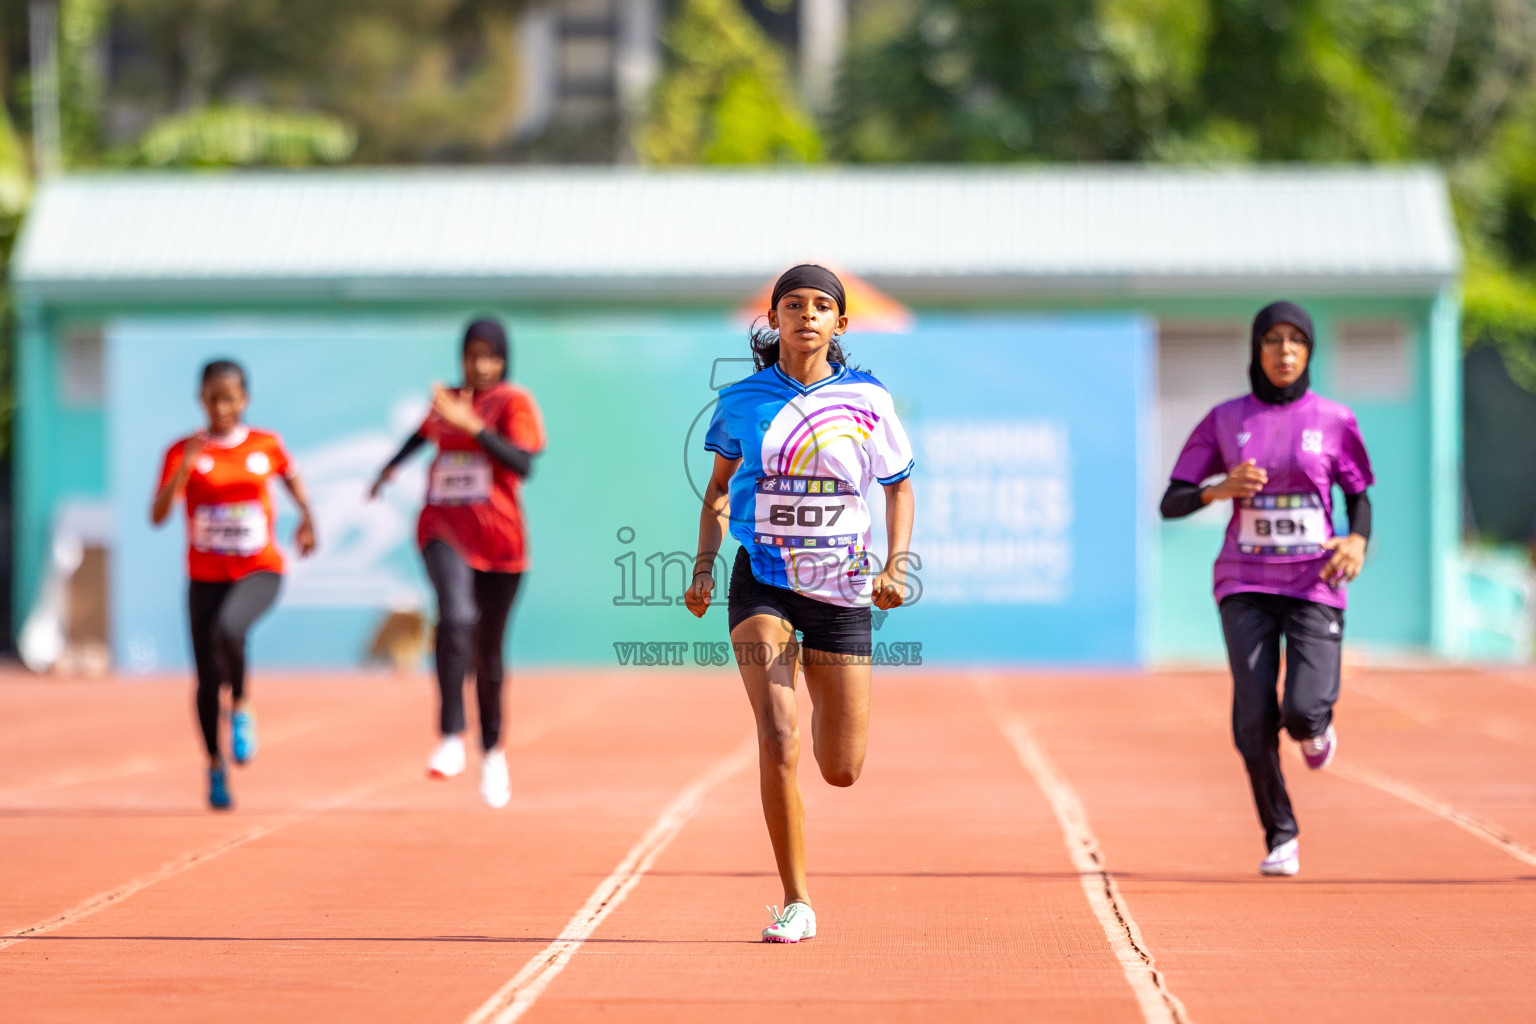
(232, 557)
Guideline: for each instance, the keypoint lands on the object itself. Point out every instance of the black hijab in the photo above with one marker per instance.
(490, 331)
(1263, 388)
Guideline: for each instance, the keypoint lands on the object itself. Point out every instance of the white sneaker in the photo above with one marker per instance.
(797, 922)
(448, 759)
(1284, 859)
(495, 785)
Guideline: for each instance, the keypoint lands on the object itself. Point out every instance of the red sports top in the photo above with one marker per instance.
(474, 502)
(230, 521)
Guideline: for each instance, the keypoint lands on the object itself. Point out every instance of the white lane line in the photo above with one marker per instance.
(1158, 1004)
(103, 900)
(517, 996)
(1526, 681)
(142, 765)
(186, 862)
(1487, 832)
(193, 858)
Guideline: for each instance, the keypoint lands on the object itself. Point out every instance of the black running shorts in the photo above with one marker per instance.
(822, 626)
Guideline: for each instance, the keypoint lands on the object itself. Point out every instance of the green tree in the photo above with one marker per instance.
(724, 97)
(1203, 81)
(1021, 79)
(82, 29)
(415, 79)
(244, 137)
(15, 194)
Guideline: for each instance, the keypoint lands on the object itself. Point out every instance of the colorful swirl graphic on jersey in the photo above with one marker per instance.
(821, 428)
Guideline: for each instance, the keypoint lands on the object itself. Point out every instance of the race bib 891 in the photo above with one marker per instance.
(1281, 525)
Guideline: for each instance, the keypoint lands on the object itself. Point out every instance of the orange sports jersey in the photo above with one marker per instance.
(231, 526)
(474, 502)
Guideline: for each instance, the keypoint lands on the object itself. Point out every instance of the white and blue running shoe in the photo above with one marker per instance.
(798, 921)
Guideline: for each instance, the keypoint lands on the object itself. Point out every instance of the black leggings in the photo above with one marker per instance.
(1314, 642)
(221, 614)
(472, 611)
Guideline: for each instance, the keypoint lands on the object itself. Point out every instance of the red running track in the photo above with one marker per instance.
(1047, 847)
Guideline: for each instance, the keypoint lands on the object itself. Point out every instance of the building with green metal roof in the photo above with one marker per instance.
(344, 291)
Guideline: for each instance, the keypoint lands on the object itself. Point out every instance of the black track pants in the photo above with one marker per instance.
(472, 611)
(1314, 636)
(222, 614)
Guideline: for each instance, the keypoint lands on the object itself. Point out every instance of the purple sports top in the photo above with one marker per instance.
(1306, 446)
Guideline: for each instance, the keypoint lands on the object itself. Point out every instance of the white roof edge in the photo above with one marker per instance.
(982, 231)
(712, 291)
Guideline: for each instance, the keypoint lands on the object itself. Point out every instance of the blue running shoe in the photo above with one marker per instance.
(218, 790)
(242, 733)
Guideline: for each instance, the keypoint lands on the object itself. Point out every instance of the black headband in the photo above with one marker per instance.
(1263, 388)
(809, 275)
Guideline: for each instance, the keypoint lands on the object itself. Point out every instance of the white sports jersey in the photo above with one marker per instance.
(808, 455)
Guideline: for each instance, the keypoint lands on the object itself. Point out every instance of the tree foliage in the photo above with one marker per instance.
(244, 137)
(724, 97)
(1220, 81)
(414, 79)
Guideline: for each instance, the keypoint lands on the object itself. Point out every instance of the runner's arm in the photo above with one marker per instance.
(408, 449)
(518, 460)
(714, 522)
(889, 587)
(1182, 498)
(1358, 508)
(304, 535)
(1349, 551)
(160, 508)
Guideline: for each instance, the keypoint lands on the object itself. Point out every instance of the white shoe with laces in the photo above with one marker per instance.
(1284, 859)
(448, 759)
(495, 783)
(798, 921)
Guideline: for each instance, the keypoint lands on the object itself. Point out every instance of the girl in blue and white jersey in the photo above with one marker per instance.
(797, 445)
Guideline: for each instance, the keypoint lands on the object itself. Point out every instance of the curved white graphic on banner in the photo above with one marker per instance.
(355, 565)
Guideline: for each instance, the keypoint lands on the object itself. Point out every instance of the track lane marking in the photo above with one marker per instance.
(518, 995)
(183, 863)
(1158, 1005)
(193, 858)
(143, 765)
(1489, 833)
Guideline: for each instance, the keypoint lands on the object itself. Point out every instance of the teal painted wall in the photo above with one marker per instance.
(60, 449)
(626, 398)
(1399, 602)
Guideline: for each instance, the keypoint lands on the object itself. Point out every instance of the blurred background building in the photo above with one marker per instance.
(204, 176)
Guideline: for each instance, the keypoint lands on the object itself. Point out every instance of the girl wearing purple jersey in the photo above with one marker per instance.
(1281, 571)
(797, 444)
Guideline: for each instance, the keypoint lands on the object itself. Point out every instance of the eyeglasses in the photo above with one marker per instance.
(1276, 340)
